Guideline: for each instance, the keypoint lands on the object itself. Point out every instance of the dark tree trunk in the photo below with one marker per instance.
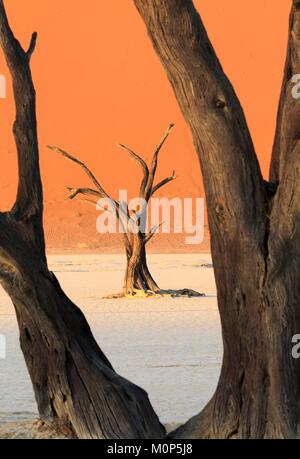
(137, 275)
(255, 230)
(75, 385)
(287, 132)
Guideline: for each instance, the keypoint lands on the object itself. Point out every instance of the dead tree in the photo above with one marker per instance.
(254, 225)
(75, 386)
(133, 222)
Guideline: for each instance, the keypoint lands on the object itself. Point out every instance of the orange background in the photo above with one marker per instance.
(99, 82)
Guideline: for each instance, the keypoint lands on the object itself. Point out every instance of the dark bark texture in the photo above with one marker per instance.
(254, 225)
(75, 385)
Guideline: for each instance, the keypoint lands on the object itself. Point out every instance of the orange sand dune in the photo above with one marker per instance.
(99, 82)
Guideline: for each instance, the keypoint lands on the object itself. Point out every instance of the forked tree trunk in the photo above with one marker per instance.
(75, 385)
(254, 225)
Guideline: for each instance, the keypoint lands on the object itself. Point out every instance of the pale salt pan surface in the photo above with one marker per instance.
(170, 347)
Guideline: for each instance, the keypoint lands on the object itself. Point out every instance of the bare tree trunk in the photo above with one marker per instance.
(137, 276)
(146, 275)
(75, 385)
(255, 232)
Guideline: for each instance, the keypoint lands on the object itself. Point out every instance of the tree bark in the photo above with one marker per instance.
(287, 129)
(254, 229)
(74, 383)
(137, 275)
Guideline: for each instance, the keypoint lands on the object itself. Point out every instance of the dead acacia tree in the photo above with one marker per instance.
(132, 221)
(75, 386)
(254, 225)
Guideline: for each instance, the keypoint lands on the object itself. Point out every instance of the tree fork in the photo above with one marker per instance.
(254, 229)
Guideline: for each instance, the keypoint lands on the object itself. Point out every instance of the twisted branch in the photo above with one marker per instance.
(143, 165)
(163, 183)
(154, 163)
(102, 192)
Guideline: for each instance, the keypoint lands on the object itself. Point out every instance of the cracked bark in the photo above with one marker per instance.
(254, 226)
(75, 385)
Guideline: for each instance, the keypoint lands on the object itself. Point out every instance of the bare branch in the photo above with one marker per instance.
(84, 191)
(29, 201)
(83, 166)
(76, 192)
(9, 43)
(214, 114)
(32, 46)
(152, 232)
(142, 164)
(163, 183)
(164, 138)
(153, 167)
(90, 192)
